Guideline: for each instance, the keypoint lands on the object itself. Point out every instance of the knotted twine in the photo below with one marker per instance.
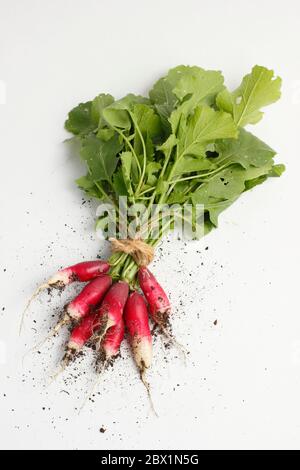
(141, 252)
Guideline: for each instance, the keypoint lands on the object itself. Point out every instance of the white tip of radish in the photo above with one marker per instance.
(60, 279)
(73, 312)
(74, 346)
(142, 351)
(54, 376)
(71, 352)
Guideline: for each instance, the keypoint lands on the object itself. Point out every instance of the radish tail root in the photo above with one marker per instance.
(98, 337)
(95, 384)
(56, 374)
(147, 386)
(64, 321)
(69, 357)
(34, 295)
(171, 338)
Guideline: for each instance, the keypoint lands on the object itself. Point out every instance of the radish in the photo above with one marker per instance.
(89, 297)
(80, 335)
(109, 349)
(95, 325)
(111, 310)
(137, 324)
(159, 304)
(83, 272)
(110, 345)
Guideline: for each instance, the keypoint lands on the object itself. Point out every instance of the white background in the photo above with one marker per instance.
(241, 386)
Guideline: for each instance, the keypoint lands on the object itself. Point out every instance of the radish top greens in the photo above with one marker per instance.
(185, 143)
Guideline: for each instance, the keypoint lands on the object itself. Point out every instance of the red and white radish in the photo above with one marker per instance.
(159, 304)
(95, 325)
(137, 324)
(79, 336)
(111, 310)
(110, 345)
(90, 296)
(82, 272)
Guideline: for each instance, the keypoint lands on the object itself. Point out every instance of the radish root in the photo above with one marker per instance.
(147, 386)
(99, 369)
(34, 295)
(171, 338)
(64, 321)
(53, 377)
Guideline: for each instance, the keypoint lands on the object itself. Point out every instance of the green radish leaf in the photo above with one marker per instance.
(190, 164)
(81, 120)
(184, 88)
(178, 195)
(98, 104)
(117, 114)
(100, 156)
(197, 86)
(168, 145)
(118, 183)
(246, 150)
(126, 160)
(162, 186)
(88, 186)
(148, 124)
(152, 169)
(105, 134)
(257, 90)
(277, 170)
(225, 187)
(116, 117)
(164, 100)
(86, 117)
(185, 144)
(206, 125)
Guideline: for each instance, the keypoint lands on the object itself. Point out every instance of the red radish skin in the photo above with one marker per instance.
(95, 325)
(80, 335)
(90, 296)
(111, 310)
(110, 345)
(82, 272)
(159, 304)
(137, 324)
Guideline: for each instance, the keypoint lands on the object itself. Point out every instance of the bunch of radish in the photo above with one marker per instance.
(105, 310)
(182, 148)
